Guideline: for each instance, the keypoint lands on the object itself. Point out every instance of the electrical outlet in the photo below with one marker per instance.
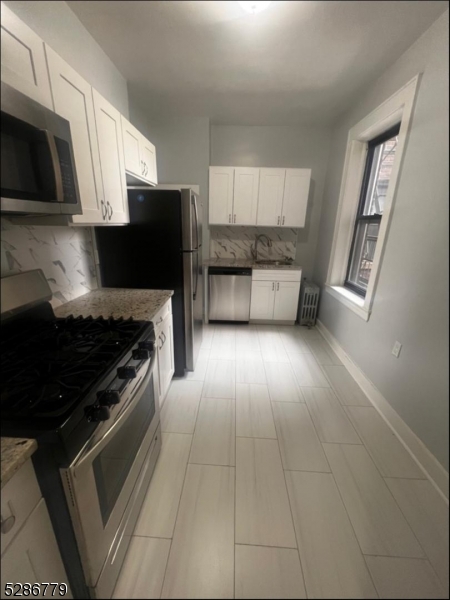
(396, 349)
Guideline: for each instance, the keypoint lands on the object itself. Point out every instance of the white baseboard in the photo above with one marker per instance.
(432, 468)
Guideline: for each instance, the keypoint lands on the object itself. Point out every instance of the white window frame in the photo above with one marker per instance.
(398, 107)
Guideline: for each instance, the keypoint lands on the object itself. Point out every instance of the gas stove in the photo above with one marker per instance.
(61, 376)
(49, 366)
(84, 388)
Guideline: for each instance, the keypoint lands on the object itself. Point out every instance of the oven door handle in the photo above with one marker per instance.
(56, 165)
(89, 452)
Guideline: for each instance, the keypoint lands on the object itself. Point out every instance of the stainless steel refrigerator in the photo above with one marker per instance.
(161, 249)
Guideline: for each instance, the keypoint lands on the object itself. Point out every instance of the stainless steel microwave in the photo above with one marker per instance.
(38, 173)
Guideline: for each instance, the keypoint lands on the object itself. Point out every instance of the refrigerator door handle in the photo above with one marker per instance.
(194, 295)
(196, 228)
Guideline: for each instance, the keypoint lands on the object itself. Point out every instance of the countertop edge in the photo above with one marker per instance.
(139, 304)
(14, 453)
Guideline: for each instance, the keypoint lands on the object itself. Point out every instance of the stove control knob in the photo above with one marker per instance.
(97, 413)
(108, 397)
(126, 372)
(147, 345)
(141, 354)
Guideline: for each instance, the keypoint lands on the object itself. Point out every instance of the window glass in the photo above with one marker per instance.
(377, 174)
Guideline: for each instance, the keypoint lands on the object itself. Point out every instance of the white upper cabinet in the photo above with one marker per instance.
(72, 97)
(221, 195)
(140, 154)
(295, 198)
(109, 134)
(148, 153)
(270, 202)
(245, 197)
(132, 148)
(264, 197)
(23, 59)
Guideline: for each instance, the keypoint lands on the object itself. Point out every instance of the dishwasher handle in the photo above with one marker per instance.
(229, 271)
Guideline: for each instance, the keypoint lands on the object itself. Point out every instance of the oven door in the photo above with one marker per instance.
(101, 479)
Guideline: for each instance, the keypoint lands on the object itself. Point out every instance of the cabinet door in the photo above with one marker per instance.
(286, 300)
(262, 300)
(148, 153)
(245, 197)
(33, 556)
(23, 59)
(109, 133)
(132, 148)
(270, 201)
(72, 96)
(295, 198)
(221, 195)
(165, 354)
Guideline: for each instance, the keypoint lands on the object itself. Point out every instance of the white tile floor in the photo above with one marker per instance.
(277, 479)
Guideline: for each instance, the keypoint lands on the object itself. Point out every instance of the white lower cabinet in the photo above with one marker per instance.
(165, 367)
(30, 553)
(286, 300)
(274, 295)
(263, 299)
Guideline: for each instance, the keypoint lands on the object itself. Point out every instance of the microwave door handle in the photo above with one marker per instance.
(56, 165)
(89, 453)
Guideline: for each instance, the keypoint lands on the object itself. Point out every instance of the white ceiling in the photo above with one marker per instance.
(296, 62)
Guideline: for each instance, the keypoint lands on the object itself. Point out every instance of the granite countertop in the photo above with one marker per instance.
(14, 452)
(247, 263)
(142, 305)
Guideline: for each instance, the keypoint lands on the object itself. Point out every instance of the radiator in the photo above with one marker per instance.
(309, 301)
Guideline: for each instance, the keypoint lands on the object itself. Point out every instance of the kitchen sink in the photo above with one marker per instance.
(273, 262)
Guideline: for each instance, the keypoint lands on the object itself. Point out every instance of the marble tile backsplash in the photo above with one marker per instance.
(65, 255)
(236, 242)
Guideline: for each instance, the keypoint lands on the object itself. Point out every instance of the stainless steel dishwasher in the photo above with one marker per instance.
(229, 294)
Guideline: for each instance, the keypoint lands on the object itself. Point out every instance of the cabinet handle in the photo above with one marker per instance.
(273, 286)
(283, 220)
(229, 218)
(110, 210)
(234, 219)
(104, 212)
(7, 524)
(162, 343)
(278, 222)
(164, 340)
(278, 286)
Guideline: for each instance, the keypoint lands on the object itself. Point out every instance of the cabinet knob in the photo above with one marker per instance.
(7, 524)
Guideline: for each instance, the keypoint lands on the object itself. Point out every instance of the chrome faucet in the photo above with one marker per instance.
(254, 249)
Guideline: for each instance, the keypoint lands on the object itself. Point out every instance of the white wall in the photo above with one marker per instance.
(58, 26)
(182, 151)
(411, 302)
(280, 146)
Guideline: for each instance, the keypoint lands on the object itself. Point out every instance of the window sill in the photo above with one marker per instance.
(349, 299)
